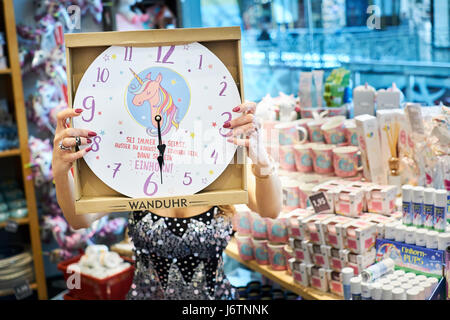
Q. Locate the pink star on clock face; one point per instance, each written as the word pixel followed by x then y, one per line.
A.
pixel 120 122
pixel 209 107
pixel 214 124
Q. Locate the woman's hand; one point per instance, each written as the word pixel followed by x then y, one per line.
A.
pixel 62 159
pixel 250 127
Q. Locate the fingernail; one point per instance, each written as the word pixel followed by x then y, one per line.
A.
pixel 236 109
pixel 227 125
pixel 78 110
pixel 92 134
pixel 88 149
pixel 89 140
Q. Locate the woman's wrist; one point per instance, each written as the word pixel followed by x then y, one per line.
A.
pixel 263 170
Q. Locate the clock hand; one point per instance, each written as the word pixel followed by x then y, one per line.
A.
pixel 161 146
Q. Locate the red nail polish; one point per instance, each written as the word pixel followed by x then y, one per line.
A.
pixel 78 110
pixel 91 134
pixel 227 125
pixel 236 109
pixel 88 149
pixel 89 140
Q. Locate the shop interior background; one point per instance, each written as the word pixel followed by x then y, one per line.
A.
pixel 401 41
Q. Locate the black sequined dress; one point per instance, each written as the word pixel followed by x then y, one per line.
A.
pixel 180 258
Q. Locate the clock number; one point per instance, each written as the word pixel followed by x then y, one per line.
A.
pixel 229 119
pixel 95 145
pixel 214 155
pixel 116 169
pixel 89 107
pixel 147 183
pixel 187 175
pixel 166 57
pixel 223 89
pixel 128 54
pixel 101 75
pixel 200 63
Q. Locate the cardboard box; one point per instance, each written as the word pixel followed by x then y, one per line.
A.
pixel 317 277
pixel 409 257
pixel 301 251
pixel 364 187
pixel 309 229
pixel 337 258
pixel 91 194
pixel 379 220
pixel 328 229
pixel 330 192
pixel 348 201
pixel 387 99
pixel 359 235
pixel 381 199
pixel 319 255
pixel 294 216
pixel 334 279
pixel 371 153
pixel 363 100
pixel 358 262
pixel 302 277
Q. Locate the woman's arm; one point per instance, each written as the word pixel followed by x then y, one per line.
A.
pixel 264 192
pixel 64 194
pixel 264 187
pixel 62 162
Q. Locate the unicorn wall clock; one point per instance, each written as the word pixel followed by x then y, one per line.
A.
pixel 158 113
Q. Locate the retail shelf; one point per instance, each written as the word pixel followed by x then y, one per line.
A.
pixel 5 71
pixel 19 221
pixel 281 277
pixel 8 292
pixel 9 153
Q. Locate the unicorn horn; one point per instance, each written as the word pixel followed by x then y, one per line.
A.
pixel 137 77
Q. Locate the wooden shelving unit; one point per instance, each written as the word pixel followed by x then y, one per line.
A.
pixel 20 221
pixel 281 277
pixel 9 153
pixel 16 98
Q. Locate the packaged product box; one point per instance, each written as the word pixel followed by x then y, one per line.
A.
pixel 409 257
pixel 94 195
pixel 371 153
pixel 381 199
pixel 317 277
pixel 364 100
pixel 337 258
pixel 334 279
pixel 328 230
pixel 359 235
pixel 309 229
pixel 380 221
pixel 319 255
pixel 301 251
pixel 348 201
pixel 358 262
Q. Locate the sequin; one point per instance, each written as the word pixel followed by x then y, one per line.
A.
pixel 186 260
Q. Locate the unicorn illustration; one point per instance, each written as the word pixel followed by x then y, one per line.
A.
pixel 161 102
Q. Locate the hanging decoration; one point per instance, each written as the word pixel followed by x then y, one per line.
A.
pixel 42 57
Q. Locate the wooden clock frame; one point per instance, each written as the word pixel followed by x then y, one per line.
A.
pixel 92 194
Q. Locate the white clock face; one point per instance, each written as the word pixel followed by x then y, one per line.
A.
pixel 136 99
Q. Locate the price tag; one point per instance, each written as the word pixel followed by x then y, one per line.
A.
pixel 319 202
pixel 23 290
pixel 11 226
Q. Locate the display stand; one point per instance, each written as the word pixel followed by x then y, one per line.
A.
pixel 14 92
pixel 281 277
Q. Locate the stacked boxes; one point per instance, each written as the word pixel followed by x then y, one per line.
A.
pixel 381 199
